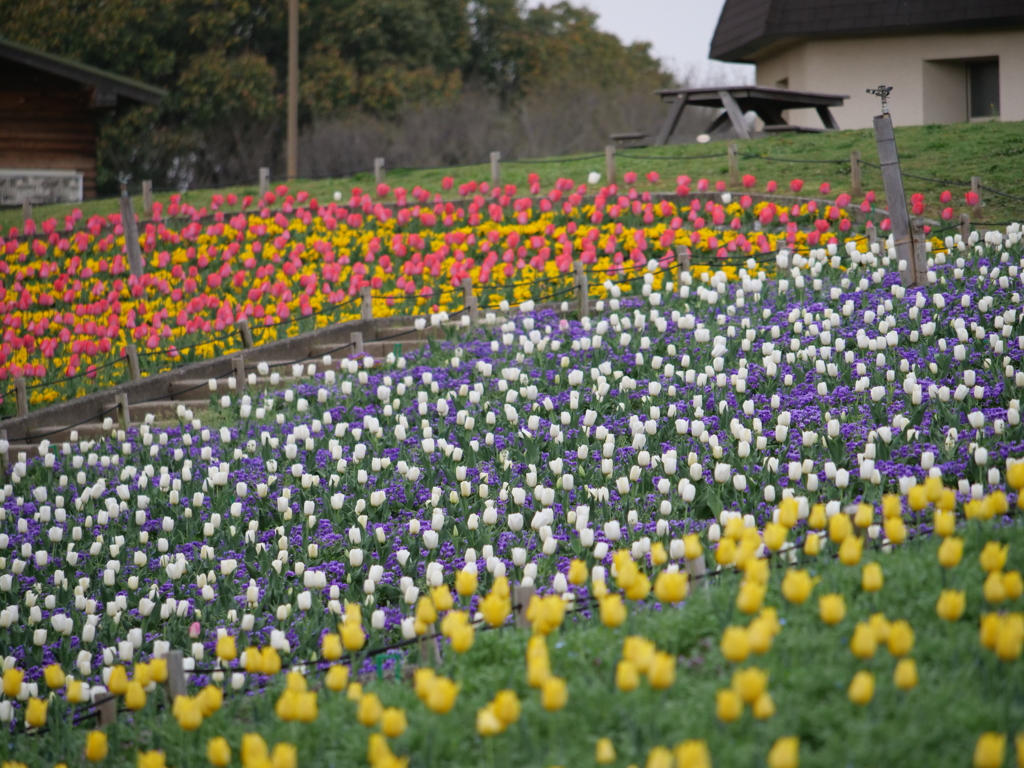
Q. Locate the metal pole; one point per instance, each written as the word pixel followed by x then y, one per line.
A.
pixel 293 90
pixel 889 160
pixel 609 163
pixel 855 184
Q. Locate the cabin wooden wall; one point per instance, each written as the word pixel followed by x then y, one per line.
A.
pixel 46 123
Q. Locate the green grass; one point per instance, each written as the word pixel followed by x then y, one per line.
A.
pixel 963 690
pixel 993 150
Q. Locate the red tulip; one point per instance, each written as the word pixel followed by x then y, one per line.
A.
pixel 629 177
pixel 654 177
pixel 796 185
pixel 946 196
pixel 748 180
pixel 971 198
pixel 947 213
pixel 824 188
pixel 720 186
pixel 772 187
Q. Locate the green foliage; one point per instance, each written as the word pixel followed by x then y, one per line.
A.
pixel 224 63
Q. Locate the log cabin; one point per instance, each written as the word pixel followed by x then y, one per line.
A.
pixel 49 107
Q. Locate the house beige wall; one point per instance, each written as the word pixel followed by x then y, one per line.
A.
pixel 927 87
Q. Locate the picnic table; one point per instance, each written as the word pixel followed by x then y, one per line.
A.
pixel 735 100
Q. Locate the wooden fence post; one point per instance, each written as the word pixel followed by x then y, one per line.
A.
pixel 965 226
pixel 697 568
pixel 495 168
pixel 243 328
pixel 26 210
pixel 609 164
pixel 239 365
pixel 889 160
pixel 582 290
pixel 132 353
pixel 521 597
pixel 147 197
pixel 366 303
pixel 469 300
pixel 734 166
pixel 855 184
pixel 682 264
pixel 175 675
pixel 264 181
pixel 872 233
pixel 123 414
pixel 378 170
pixel 106 711
pixel 920 253
pixel 976 189
pixel 5 456
pixel 21 395
pixel 356 338
pixel 131 233
pixel 429 647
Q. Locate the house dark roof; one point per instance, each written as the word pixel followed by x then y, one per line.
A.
pixel 748 26
pixel 108 87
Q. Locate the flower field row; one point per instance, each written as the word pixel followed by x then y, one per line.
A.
pixel 735 424
pixel 289 263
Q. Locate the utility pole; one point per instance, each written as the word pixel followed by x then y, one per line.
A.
pixel 292 149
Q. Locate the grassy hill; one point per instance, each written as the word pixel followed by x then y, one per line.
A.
pixel 949 153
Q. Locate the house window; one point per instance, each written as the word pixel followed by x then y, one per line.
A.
pixel 983 82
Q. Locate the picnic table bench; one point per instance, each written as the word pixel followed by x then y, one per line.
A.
pixel 735 100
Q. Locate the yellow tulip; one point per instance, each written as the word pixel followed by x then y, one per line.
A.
pixel 370 710
pixel 659 555
pixel 54 676
pixel 1010 637
pixel 895 530
pixel 452 621
pixel 465 583
pixel 864 516
pixel 270 661
pixel 35 713
pixel 287 706
pixel 812 545
pixel 662 673
pixel 627 678
pixel 253 750
pixel 749 683
pixel 330 647
pixel 659 757
pixel 693 753
pixel 993 589
pixel 671 587
pixel 990 750
pixel 154 758
pixel 12 682
pixel 760 636
pixel 76 692
pixel 284 755
pixel 951 605
pixel 993 556
pixel 604 752
pixel 871 577
pixel 353 637
pixel 95 746
pixel 189 713
pixel 775 536
pixel 118 682
pixel 785 753
pixel 901 638
pixel 728 705
pixel 947 500
pixel 306 707
pixel 818 519
pixel 507 706
pixel 442 695
pixel 951 551
pixel 639 651
pixel 831 609
pixel 850 550
pixel 735 645
pixel 892 506
pixel 442 598
pixel 613 611
pixel 638 588
pixel 904 676
pixel 764 707
pixel 226 648
pixel 1013 584
pixel 354 692
pixel 337 678
pixel 692 548
pixel 425 610
pixel 487 722
pixel 218 752
pixel 495 609
pixel 862 688
pixel 462 638
pixel 944 523
pixel 863 643
pixel 917 498
pixel 989 630
pixel 554 694
pixel 839 528
pixel 880 626
pixel 141 674
pixel 135 696
pixel 210 699
pixel 789 512
pixel 750 597
pixel 797 586
pixel 546 613
pixel 578 572
pixel 393 722
pixel 725 553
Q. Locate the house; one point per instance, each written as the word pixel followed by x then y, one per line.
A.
pixel 49 107
pixel 948 60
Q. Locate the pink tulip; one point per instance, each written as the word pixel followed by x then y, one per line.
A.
pixel 772 187
pixel 946 196
pixel 947 213
pixel 194 630
pixel 824 188
pixel 629 177
pixel 796 185
pixel 654 177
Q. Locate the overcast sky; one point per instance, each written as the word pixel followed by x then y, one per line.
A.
pixel 680 31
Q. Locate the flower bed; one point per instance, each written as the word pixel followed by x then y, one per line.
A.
pixel 601 461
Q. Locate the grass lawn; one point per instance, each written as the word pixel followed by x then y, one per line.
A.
pixel 994 151
pixel 963 690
